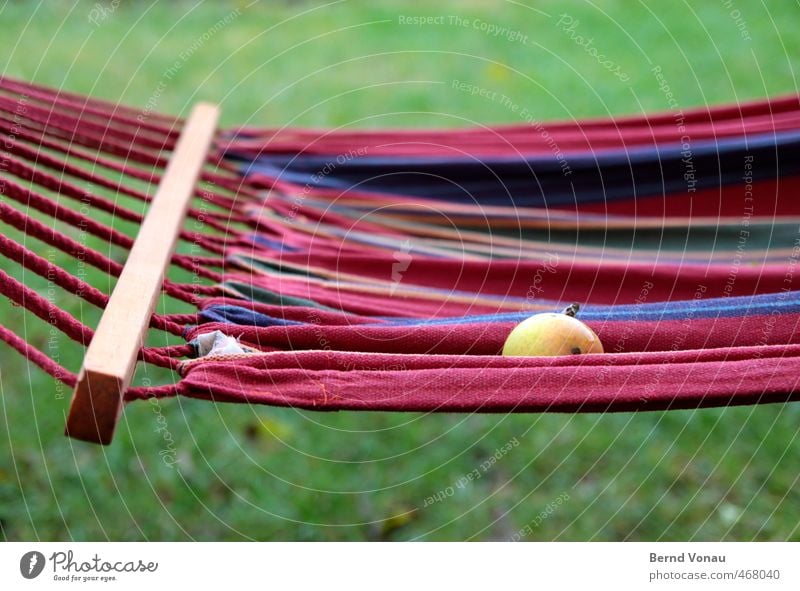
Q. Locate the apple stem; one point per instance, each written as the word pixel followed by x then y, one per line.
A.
pixel 572 310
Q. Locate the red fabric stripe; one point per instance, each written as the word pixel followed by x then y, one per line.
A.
pixel 321 380
pixel 601 283
pixel 565 136
pixel 700 114
pixel 488 338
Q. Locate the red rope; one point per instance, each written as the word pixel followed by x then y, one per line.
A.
pixel 23 171
pixel 44 133
pixel 24 296
pixel 228 205
pixel 44 268
pixel 18 168
pixel 87 224
pixel 34 355
pixel 66 98
pixel 72 125
pixel 33 227
pixel 103 144
pixel 64 214
pixel 44 309
pixel 68 378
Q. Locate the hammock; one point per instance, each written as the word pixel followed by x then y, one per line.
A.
pixel 383 270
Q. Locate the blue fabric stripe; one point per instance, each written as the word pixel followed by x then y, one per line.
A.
pixel 242 316
pixel 684 310
pixel 273 244
pixel 780 303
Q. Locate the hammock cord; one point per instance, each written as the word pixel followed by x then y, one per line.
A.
pixel 41 130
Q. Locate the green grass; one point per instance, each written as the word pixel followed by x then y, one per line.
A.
pixel 277 474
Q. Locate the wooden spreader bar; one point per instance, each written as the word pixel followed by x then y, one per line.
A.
pixel 110 359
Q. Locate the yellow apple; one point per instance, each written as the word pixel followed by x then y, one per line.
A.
pixel 551 334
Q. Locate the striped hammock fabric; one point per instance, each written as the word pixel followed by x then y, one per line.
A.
pixel 383 270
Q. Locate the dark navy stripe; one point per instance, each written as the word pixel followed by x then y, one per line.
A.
pixel 540 181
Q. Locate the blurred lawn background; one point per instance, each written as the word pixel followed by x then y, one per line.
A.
pixel 278 474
